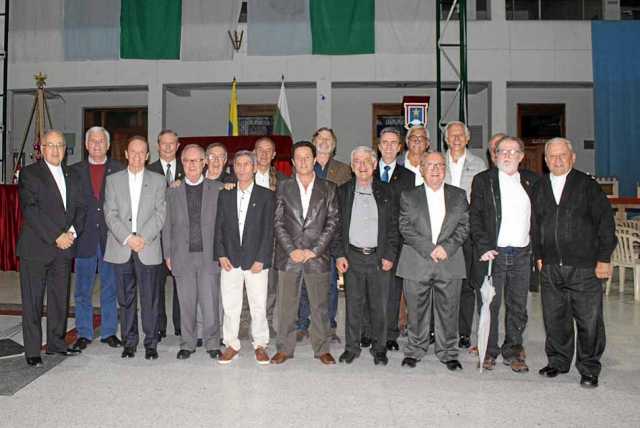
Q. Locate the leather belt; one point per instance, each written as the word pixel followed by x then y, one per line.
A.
pixel 364 251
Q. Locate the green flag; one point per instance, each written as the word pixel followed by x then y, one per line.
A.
pixel 281 121
pixel 150 29
pixel 342 27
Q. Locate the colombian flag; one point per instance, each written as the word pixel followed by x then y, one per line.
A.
pixel 233 110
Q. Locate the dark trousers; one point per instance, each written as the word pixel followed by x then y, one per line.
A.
pixel 366 293
pixel 468 293
pixel 162 311
pixel 272 293
pixel 394 295
pixel 35 276
pixel 133 277
pixel 435 298
pixel 511 271
pixel 569 295
pixel 289 286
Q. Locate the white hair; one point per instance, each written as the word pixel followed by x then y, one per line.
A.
pixel 415 128
pixel 467 132
pixel 367 150
pixel 557 140
pixel 95 129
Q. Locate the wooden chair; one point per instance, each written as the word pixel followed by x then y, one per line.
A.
pixel 610 186
pixel 625 256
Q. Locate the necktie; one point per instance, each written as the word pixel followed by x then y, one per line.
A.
pixel 167 175
pixel 385 174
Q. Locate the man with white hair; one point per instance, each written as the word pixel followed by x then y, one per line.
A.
pixel 365 249
pixel 574 241
pixel 418 142
pixel 462 166
pixel 501 227
pixel 92 174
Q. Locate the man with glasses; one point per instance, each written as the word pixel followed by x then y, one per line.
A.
pixel 434 222
pixel 216 157
pixel 418 142
pixel 172 170
pixel 462 166
pixel 54 213
pixel 187 237
pixel 501 229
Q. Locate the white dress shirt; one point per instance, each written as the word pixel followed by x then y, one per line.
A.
pixel 455 168
pixel 557 185
pixel 262 180
pixel 191 183
pixel 305 195
pixel 58 176
pixel 243 206
pixel 437 209
pixel 516 214
pixel 414 169
pixel 382 164
pixel 164 164
pixel 135 189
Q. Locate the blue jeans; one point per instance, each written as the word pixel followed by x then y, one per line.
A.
pixel 304 310
pixel 85 280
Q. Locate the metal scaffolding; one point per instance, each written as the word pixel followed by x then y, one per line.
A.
pixel 454 11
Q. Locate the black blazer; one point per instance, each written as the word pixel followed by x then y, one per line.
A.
pixel 388 234
pixel 257 235
pixel 45 217
pixel 95 228
pixel 157 167
pixel 402 179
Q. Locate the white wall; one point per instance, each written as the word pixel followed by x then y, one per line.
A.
pixel 578 116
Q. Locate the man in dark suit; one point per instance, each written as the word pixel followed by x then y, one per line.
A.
pixel 172 170
pixel 399 179
pixel 365 249
pixel 54 212
pixel 434 222
pixel 244 248
pixel 306 217
pixel 191 214
pixel 92 174
pixel 134 210
pixel 501 227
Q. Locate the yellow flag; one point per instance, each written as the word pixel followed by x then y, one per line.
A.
pixel 233 110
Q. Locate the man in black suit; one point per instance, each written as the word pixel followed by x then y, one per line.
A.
pixel 92 174
pixel 172 170
pixel 399 179
pixel 365 249
pixel 54 212
pixel 244 248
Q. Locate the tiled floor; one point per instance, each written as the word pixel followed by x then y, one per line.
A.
pixel 98 388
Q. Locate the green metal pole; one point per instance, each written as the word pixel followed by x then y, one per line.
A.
pixel 438 79
pixel 462 107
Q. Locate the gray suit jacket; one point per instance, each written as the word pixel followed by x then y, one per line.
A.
pixel 175 233
pixel 472 166
pixel 117 215
pixel 415 226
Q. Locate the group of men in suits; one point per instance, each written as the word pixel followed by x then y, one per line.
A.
pixel 427 230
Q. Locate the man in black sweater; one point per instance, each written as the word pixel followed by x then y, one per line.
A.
pixel 573 246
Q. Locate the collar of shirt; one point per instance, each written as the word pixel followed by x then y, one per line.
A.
pixel 164 164
pixel 430 191
pixel 135 175
pixel 247 190
pixel 461 159
pixel 366 190
pixel 55 169
pixel 515 178
pixel 558 178
pixel 309 187
pixel 382 164
pixel 191 183
pixel 93 162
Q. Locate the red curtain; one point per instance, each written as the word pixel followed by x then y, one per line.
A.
pixel 10 222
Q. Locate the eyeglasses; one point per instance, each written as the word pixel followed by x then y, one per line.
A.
pixel 214 157
pixel 418 139
pixel 510 152
pixel 192 161
pixel 438 165
pixel 54 146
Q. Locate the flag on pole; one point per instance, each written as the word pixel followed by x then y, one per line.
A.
pixel 281 121
pixel 233 110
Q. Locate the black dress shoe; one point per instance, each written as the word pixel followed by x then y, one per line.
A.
pixel 34 361
pixel 347 357
pixel 464 342
pixel 112 341
pixel 432 338
pixel 392 345
pixel 71 352
pixel 183 354
pixel 380 358
pixel 409 362
pixel 214 353
pixel 178 332
pixel 128 352
pixel 587 381
pixel 162 333
pixel 365 342
pixel 199 343
pixel 453 365
pixel 549 371
pixel 150 354
pixel 81 343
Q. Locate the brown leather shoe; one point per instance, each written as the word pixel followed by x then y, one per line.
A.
pixel 279 358
pixel 261 355
pixel 228 355
pixel 489 363
pixel 518 363
pixel 327 359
